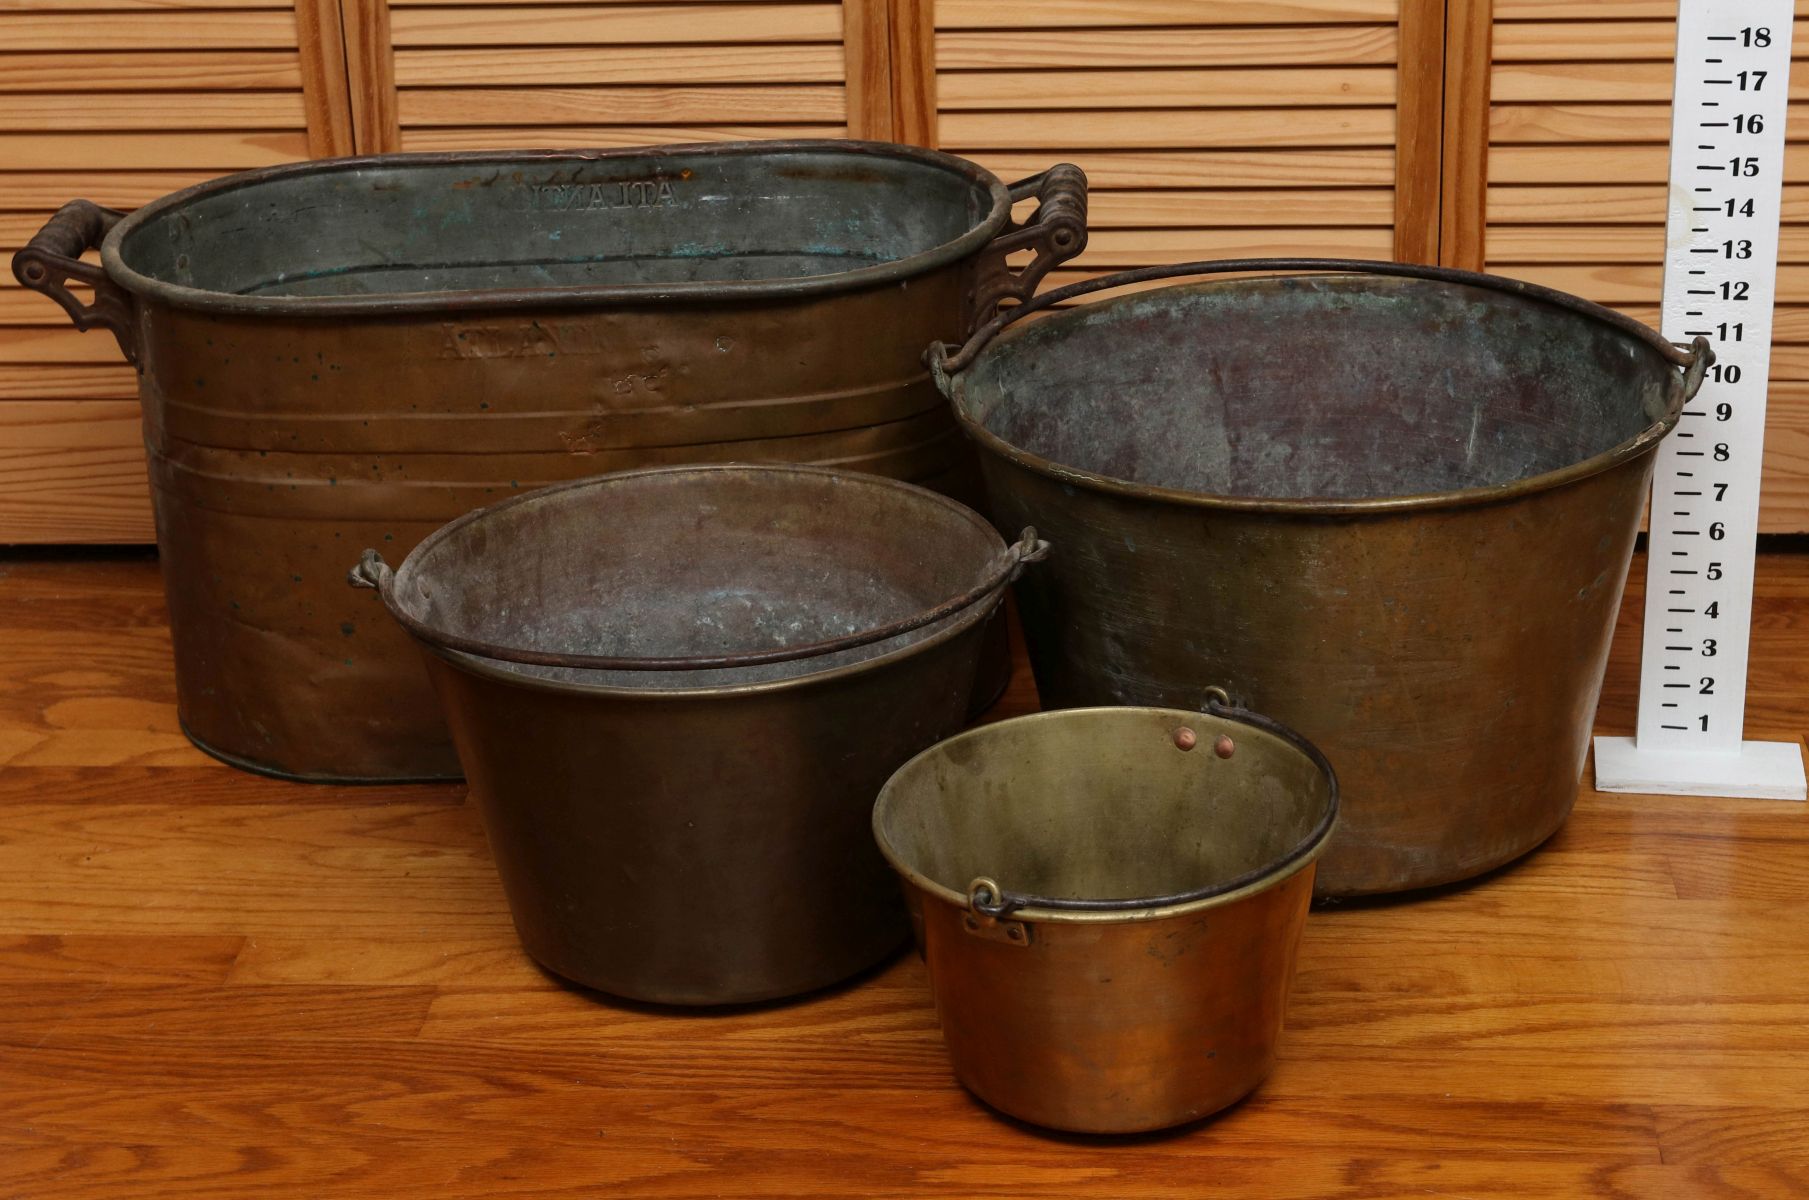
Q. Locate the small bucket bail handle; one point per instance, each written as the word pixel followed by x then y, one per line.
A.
pixel 988 900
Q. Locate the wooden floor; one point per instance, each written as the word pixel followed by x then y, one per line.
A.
pixel 215 985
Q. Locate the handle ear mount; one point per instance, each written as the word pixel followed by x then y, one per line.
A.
pixel 54 257
pixel 1057 231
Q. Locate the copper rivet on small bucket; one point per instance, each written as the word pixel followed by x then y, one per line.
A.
pixel 1185 738
pixel 1224 747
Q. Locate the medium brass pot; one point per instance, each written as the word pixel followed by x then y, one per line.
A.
pixel 1392 506
pixel 675 693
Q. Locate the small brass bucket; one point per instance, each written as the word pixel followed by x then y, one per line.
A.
pixel 1109 901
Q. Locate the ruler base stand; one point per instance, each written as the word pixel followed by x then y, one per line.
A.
pixel 1760 771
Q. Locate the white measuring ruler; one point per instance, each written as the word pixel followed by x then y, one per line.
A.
pixel 1727 172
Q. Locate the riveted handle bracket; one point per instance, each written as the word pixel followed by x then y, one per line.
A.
pixel 53 257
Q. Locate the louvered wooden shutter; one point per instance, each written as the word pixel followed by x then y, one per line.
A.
pixel 1208 128
pixel 495 73
pixel 1579 132
pixel 119 102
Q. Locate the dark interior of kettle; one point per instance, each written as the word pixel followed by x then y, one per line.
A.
pixel 1335 388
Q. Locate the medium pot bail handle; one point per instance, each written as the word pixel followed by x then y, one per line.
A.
pixel 944 366
pixel 54 256
pixel 372 572
pixel 1057 231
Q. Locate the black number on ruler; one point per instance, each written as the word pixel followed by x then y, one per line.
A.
pixel 1755 36
pixel 1739 249
pixel 1712 612
pixel 1747 167
pixel 1752 81
pixel 1733 331
pixel 1708 647
pixel 1720 491
pixel 1708 686
pixel 1714 570
pixel 1717 531
pixel 1704 719
pixel 1755 123
pixel 1734 290
pixel 1739 208
pixel 1721 452
pixel 1723 412
pixel 1725 372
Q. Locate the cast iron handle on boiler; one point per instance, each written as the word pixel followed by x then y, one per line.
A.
pixel 1694 362
pixel 54 256
pixel 373 572
pixel 1056 231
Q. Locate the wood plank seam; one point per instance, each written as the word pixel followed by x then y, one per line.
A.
pixel 867 80
pixel 1464 161
pixel 371 63
pixel 1419 136
pixel 326 81
pixel 911 38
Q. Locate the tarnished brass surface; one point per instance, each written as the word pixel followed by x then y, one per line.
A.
pixel 1394 513
pixel 350 353
pixel 701 836
pixel 1109 909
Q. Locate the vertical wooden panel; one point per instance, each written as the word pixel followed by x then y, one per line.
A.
pixel 371 61
pixel 1419 123
pixel 867 53
pixel 914 71
pixel 1464 165
pixel 325 85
